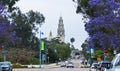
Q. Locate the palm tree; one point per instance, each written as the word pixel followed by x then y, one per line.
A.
pixel 72 40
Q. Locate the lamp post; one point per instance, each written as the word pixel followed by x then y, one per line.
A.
pixel 48 59
pixel 46 51
pixel 40 50
pixel 41 33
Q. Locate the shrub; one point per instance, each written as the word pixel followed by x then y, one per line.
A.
pixel 18 66
pixel 85 66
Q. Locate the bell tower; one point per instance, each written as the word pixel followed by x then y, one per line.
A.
pixel 61 30
pixel 50 36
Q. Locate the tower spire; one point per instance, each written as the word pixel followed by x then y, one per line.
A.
pixel 60 20
pixel 50 36
pixel 61 31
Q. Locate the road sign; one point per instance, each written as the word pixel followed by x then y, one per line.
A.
pixel 92 50
pixel 115 51
pixel 4 51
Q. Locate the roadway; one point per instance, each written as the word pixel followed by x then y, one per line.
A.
pixel 53 69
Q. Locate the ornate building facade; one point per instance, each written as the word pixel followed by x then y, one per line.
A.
pixel 60 32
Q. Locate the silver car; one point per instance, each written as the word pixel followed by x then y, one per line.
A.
pixel 70 64
pixel 63 64
pixel 115 64
pixel 5 66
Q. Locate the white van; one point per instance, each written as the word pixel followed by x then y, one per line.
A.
pixel 115 64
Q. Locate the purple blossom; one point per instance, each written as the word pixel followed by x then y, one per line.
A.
pixel 7 33
pixel 104 25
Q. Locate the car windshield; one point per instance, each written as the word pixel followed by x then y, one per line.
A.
pixel 4 63
pixel 114 60
pixel 117 63
pixel 95 64
pixel 62 62
pixel 70 63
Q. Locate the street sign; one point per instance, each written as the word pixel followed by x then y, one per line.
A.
pixel 88 51
pixel 4 51
pixel 55 49
pixel 92 50
pixel 115 52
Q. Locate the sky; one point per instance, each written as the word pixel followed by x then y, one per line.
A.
pixel 52 10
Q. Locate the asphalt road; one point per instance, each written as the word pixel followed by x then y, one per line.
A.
pixel 54 69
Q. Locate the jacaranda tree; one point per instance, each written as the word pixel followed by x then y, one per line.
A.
pixel 7 34
pixel 103 26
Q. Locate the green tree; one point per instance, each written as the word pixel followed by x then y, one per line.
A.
pixel 99 53
pixel 26 26
pixel 63 51
pixel 9 4
pixel 85 50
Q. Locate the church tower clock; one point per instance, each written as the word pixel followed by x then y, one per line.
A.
pixel 61 30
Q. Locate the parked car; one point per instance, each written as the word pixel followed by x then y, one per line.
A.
pixel 93 67
pixel 115 63
pixel 63 64
pixel 70 64
pixel 102 66
pixel 5 66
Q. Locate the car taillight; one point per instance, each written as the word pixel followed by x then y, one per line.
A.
pixel 99 68
pixel 93 67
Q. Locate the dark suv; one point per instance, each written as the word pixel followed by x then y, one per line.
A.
pixel 103 65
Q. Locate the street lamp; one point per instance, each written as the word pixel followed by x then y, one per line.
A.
pixel 41 33
pixel 48 59
pixel 46 51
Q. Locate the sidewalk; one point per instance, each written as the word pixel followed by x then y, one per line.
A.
pixel 51 66
pixel 44 66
